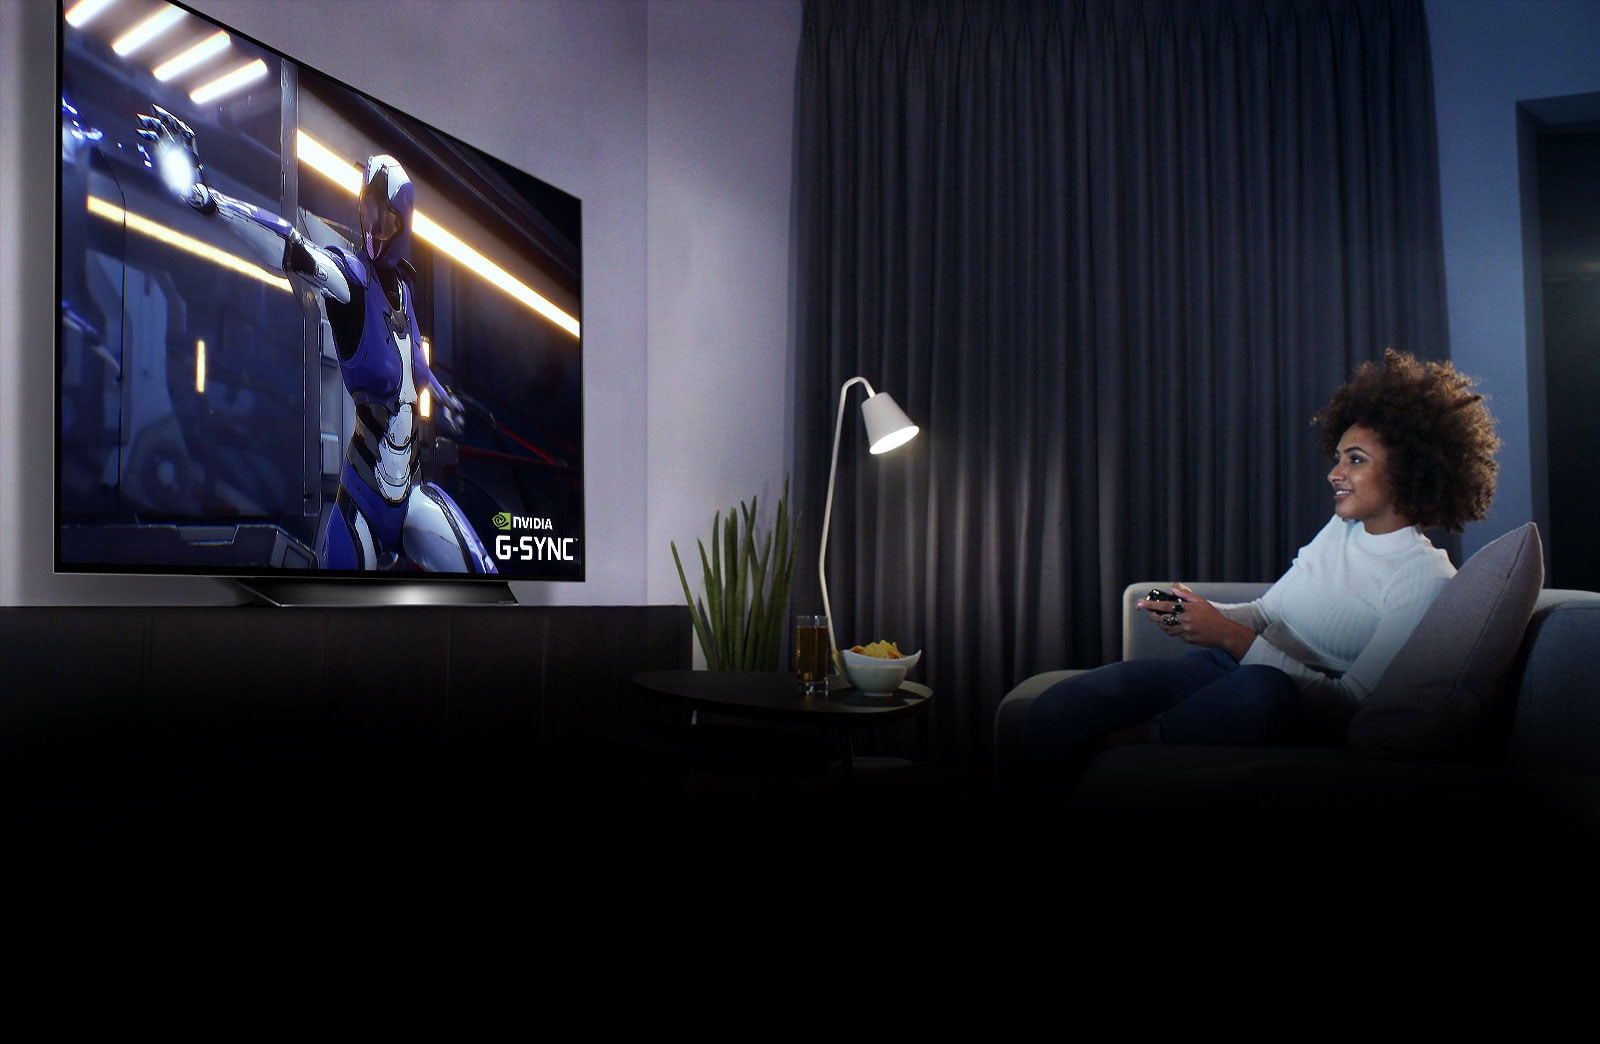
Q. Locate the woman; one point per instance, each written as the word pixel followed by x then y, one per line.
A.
pixel 1413 448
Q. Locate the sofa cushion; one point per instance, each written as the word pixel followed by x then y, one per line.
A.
pixel 1442 685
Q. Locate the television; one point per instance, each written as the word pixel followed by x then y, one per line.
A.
pixel 308 343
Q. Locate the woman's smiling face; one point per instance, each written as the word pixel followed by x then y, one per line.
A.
pixel 1362 491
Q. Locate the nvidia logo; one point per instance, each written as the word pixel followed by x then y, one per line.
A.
pixel 506 520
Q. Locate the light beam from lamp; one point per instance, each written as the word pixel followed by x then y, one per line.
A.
pixel 888 428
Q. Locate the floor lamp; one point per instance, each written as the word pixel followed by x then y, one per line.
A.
pixel 887 428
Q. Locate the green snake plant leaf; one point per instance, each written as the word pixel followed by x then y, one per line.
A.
pixel 782 571
pixel 733 605
pixel 712 570
pixel 697 608
pixel 747 580
pixel 755 640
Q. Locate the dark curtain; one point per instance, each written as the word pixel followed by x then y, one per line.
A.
pixel 1113 257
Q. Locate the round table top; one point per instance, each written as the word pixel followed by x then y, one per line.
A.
pixel 775 696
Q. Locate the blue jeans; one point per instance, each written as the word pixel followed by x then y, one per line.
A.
pixel 1202 697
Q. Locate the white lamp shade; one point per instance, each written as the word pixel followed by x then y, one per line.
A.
pixel 887 424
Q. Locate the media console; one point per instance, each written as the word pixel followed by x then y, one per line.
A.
pixel 139 725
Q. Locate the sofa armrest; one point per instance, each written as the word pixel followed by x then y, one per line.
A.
pixel 1009 719
pixel 1143 641
pixel 1556 719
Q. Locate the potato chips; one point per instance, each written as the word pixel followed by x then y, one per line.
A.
pixel 883 650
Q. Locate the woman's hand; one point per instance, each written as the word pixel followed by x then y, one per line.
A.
pixel 1198 622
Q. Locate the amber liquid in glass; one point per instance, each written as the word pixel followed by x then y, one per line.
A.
pixel 811 656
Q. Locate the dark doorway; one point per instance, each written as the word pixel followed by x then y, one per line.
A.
pixel 1563 137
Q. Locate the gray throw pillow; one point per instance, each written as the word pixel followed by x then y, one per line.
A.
pixel 1442 685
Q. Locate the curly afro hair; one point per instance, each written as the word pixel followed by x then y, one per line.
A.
pixel 1438 432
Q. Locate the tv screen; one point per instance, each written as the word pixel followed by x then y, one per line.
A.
pixel 302 333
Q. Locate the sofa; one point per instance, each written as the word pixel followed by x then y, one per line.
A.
pixel 1486 726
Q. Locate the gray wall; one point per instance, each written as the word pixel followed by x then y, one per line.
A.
pixel 1488 55
pixel 721 119
pixel 670 119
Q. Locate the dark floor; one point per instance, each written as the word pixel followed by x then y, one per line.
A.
pixel 912 815
pixel 891 809
pixel 736 764
pixel 873 780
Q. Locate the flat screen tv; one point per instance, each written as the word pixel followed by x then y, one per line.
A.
pixel 304 337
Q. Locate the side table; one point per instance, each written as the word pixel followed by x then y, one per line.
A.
pixel 773 696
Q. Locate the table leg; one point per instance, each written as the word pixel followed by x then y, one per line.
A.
pixel 847 762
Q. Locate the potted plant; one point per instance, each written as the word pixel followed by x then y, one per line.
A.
pixel 746 591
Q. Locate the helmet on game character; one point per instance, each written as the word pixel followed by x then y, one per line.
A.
pixel 387 207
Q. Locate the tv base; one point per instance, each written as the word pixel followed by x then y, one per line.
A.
pixel 311 591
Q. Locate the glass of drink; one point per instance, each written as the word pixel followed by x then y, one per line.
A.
pixel 811 653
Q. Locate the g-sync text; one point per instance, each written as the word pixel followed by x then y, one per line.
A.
pixel 529 548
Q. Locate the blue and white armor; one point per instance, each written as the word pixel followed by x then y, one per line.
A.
pixel 384 512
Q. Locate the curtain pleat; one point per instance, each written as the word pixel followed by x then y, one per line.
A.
pixel 1113 257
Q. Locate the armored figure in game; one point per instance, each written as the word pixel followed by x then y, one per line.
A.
pixel 383 510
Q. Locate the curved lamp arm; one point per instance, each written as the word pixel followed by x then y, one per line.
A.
pixel 887 428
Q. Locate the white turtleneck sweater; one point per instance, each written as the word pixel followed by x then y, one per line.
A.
pixel 1343 610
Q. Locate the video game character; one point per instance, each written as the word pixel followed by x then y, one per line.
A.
pixel 384 513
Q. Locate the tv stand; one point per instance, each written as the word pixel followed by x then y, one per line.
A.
pixel 144 731
pixel 328 591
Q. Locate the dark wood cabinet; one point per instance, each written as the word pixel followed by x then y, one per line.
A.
pixel 128 723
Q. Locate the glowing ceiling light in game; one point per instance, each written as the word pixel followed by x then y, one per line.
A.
pixel 84 11
pixel 348 177
pixel 182 62
pixel 461 252
pixel 200 367
pixel 228 83
pixel 329 164
pixel 425 398
pixel 155 230
pixel 147 30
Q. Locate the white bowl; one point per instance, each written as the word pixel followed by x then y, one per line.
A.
pixel 874 676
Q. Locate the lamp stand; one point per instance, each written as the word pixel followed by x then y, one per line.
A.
pixel 827 515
